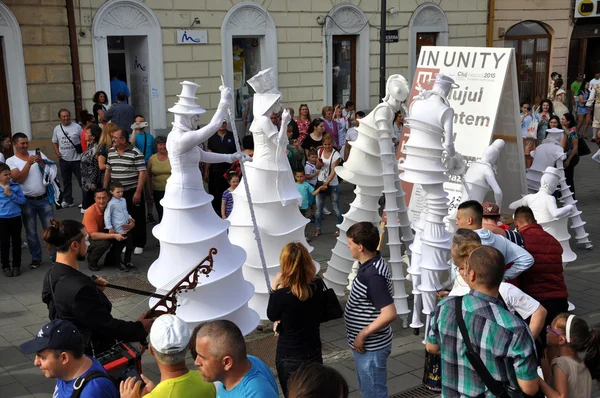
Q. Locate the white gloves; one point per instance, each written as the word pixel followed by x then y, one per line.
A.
pixel 242 157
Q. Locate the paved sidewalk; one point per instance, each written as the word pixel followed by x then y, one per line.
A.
pixel 22 313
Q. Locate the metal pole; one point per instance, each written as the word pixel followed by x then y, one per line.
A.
pixel 382 51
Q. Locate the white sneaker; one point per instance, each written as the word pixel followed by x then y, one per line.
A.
pixel 23 245
pixel 138 250
pixel 65 205
pixel 326 211
pixel 82 211
pixel 123 251
pixel 79 206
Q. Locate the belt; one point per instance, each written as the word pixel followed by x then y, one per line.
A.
pixel 41 197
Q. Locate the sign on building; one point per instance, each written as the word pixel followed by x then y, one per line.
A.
pixel 192 37
pixel 586 8
pixel 391 36
pixel 486 106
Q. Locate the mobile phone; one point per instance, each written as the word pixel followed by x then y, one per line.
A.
pixel 37 151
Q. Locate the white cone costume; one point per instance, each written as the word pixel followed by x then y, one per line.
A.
pixel 190 227
pixel 273 190
pixel 480 179
pixel 546 212
pixel 431 133
pixel 373 168
pixel 551 154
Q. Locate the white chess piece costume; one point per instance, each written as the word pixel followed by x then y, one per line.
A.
pixel 190 227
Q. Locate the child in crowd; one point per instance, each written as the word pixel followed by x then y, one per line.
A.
pixel 570 335
pixel 116 217
pixel 11 196
pixel 310 168
pixel 295 152
pixel 227 199
pixel 308 193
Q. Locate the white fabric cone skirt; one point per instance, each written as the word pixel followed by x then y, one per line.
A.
pixel 188 230
pixel 558 229
pixel 577 224
pixel 263 184
pixel 533 180
pixel 362 169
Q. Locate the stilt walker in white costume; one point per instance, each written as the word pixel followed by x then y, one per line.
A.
pixel 190 227
pixel 431 134
pixel 273 191
pixel 480 179
pixel 373 168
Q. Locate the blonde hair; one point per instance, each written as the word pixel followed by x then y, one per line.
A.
pixel 297 270
pixel 327 138
pixel 326 109
pixel 461 252
pixel 106 136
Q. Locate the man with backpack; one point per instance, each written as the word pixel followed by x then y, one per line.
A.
pixel 58 349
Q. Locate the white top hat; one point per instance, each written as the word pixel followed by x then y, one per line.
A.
pixel 169 334
pixel 554 131
pixel 187 100
pixel 445 81
pixel 264 84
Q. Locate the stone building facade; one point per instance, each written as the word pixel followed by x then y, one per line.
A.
pixel 324 51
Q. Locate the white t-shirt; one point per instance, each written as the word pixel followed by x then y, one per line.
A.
pixel 2 158
pixel 34 184
pixel 516 300
pixel 309 169
pixel 66 149
pixel 325 168
pixel 592 96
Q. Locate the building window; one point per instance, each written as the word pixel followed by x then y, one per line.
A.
pixel 428 26
pixel 344 69
pixel 425 39
pixel 246 63
pixel 531 42
pixel 4 107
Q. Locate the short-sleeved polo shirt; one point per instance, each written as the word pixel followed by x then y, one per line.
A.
pixel 93 220
pixel 126 167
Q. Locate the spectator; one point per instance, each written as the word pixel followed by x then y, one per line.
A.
pixel 509 356
pixel 91 178
pixel 343 125
pixel 369 311
pixel 529 144
pixel 100 240
pixel 491 221
pixel 99 110
pixel 66 141
pixel 126 165
pixel 349 110
pixel 352 135
pixel 329 159
pixel 295 128
pixel 330 125
pixel 159 170
pixel 572 376
pixel 584 114
pixel 221 142
pixel 169 344
pixel 227 199
pixel 303 121
pixel 545 280
pixel 87 121
pixel 295 306
pixel 4 147
pixel 117 220
pixel 572 160
pixel 398 126
pixel 470 215
pixel 117 86
pixel 121 113
pixel 58 349
pixel 104 144
pixel 145 143
pixel 28 169
pixel 306 191
pixel 576 86
pixel 313 380
pixel 11 199
pixel 314 138
pixel 248 149
pixel 219 352
pixel 73 296
pixel 542 115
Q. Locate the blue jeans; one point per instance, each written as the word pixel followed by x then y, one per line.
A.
pixel 42 209
pixel 67 169
pixel 334 192
pixel 371 370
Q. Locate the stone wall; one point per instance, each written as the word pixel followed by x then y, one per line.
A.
pixel 45 34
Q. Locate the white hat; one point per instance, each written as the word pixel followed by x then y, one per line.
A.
pixel 169 334
pixel 187 100
pixel 266 94
pixel 554 131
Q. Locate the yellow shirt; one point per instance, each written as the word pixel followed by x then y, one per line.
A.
pixel 190 385
pixel 160 172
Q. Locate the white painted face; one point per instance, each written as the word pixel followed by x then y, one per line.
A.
pixel 194 120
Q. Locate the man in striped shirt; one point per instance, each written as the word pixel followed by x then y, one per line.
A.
pixel 125 164
pixel 370 311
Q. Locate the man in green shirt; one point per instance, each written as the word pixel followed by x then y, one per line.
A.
pixel 575 87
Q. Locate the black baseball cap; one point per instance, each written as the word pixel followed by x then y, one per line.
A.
pixel 56 335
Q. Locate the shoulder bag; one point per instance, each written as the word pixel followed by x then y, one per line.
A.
pixel 331 306
pixel 78 147
pixel 582 147
pixel 319 182
pixel 493 385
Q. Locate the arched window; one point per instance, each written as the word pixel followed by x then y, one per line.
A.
pixel 531 41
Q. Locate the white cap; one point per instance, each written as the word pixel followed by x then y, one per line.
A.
pixel 169 334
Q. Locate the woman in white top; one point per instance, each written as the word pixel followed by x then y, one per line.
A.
pixel 558 98
pixel 327 182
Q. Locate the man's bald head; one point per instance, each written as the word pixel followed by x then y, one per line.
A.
pixel 225 338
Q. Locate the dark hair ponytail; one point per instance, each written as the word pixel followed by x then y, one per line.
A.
pixel 61 234
pixel 592 354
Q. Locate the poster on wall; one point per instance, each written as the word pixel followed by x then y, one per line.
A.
pixel 485 108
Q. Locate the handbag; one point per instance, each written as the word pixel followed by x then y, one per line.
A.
pixel 331 306
pixel 493 385
pixel 78 147
pixel 319 182
pixel 532 129
pixel 582 148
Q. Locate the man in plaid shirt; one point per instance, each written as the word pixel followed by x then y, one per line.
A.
pixel 502 340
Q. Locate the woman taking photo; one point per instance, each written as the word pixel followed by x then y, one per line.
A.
pixel 159 169
pixel 568 121
pixel 544 112
pixel 296 303
pixel 303 121
pixel 327 183
pixel 314 139
pixel 90 172
pixel 99 110
pixel 584 114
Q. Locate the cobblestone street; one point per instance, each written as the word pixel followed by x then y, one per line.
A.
pixel 22 313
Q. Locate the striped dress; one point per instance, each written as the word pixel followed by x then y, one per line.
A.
pixel 371 291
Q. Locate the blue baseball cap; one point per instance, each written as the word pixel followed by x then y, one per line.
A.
pixel 56 335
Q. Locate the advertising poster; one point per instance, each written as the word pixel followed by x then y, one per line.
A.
pixel 485 108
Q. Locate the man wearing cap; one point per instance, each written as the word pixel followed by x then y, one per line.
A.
pixel 58 350
pixel 169 343
pixel 491 222
pixel 221 142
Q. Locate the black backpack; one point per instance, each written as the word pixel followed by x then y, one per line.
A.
pixel 81 382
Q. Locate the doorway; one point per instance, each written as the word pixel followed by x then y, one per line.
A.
pixel 5 128
pixel 246 56
pixel 344 69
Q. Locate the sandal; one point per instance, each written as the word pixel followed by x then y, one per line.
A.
pixel 336 233
pixel 316 233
